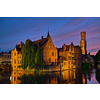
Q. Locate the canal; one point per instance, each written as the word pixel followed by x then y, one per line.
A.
pixel 74 76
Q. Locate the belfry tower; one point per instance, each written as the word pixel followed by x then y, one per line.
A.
pixel 83 43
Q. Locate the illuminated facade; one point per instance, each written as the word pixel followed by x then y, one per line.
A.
pixel 50 55
pixel 16 56
pixel 70 56
pixel 83 43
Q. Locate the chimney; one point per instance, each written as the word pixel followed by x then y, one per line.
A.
pixel 42 38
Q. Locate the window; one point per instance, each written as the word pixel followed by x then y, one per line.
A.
pixel 18 61
pixel 65 63
pixel 55 54
pixel 69 53
pixel 14 66
pixel 49 60
pixel 55 59
pixel 14 61
pixel 68 62
pixel 52 53
pixel 49 46
pixel 69 58
pixel 15 53
pixel 68 66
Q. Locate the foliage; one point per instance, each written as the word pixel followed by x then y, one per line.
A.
pixel 28 55
pixel 39 58
pixel 32 56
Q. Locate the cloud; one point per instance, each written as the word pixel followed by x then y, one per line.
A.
pixel 93 50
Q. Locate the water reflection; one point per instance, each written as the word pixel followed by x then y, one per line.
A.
pixel 5 77
pixel 73 76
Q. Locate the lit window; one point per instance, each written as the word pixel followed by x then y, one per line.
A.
pixel 52 53
pixel 68 62
pixel 49 60
pixel 15 61
pixel 49 46
pixel 15 53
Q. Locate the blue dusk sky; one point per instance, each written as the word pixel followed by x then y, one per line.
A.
pixel 62 30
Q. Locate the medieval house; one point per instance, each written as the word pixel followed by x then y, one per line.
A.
pixel 50 55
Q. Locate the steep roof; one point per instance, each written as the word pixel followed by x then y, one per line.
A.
pixel 42 42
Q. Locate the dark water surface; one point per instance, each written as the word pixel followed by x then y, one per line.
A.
pixel 74 76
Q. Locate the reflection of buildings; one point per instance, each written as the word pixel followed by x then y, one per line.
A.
pixel 17 75
pixel 5 58
pixel 65 77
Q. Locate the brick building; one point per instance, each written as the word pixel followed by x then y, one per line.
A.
pixel 70 56
pixel 50 55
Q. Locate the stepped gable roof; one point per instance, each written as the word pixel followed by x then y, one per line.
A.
pixel 67 47
pixel 41 42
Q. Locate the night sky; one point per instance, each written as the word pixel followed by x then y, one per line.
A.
pixel 62 30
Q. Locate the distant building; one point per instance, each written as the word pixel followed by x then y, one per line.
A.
pixel 5 58
pixel 50 55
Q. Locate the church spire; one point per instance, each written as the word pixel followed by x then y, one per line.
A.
pixel 48 32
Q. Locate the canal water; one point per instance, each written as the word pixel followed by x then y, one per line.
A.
pixel 74 76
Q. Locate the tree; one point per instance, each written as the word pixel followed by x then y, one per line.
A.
pixel 28 54
pixel 39 58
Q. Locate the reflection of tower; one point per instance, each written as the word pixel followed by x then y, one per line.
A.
pixel 83 43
